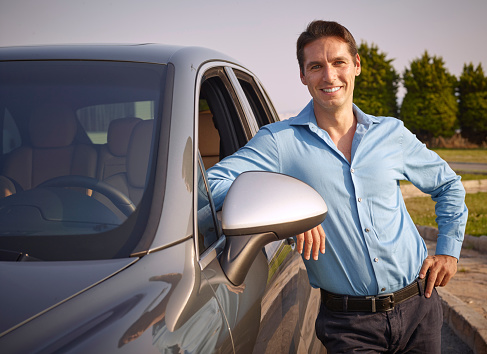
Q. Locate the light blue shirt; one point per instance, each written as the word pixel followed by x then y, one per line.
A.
pixel 372 245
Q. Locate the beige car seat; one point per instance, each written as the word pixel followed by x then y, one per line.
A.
pixel 209 139
pixel 113 155
pixel 53 151
pixel 132 181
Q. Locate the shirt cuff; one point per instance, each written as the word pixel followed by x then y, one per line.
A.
pixel 449 246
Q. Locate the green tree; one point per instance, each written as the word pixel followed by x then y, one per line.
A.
pixel 376 86
pixel 430 107
pixel 472 113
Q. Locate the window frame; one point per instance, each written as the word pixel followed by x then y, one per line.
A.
pixel 207 72
pixel 264 112
pixel 229 74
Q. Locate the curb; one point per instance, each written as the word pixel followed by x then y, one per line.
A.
pixel 467 324
pixel 478 243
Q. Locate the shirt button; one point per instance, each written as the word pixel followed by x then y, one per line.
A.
pixel 359 200
pixel 367 229
pixel 383 289
pixel 352 170
pixel 376 259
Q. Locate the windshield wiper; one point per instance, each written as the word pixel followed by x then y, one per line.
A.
pixel 15 256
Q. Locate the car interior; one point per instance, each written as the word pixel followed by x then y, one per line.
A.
pixel 75 149
pixel 76 141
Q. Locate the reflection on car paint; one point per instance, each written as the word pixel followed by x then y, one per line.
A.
pixel 155 313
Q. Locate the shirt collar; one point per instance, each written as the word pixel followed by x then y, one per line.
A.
pixel 307 116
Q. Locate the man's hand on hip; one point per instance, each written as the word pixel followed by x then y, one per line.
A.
pixel 313 242
pixel 441 269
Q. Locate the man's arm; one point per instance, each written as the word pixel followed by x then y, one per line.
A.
pixel 260 154
pixel 427 171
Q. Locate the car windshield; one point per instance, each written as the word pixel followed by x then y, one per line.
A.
pixel 76 150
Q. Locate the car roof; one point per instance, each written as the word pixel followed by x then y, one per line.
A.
pixel 144 52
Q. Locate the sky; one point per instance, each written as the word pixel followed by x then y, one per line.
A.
pixel 258 33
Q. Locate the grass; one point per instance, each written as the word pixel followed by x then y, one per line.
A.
pixel 422 211
pixel 463 155
pixel 470 177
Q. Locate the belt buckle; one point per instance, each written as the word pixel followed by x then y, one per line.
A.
pixel 380 297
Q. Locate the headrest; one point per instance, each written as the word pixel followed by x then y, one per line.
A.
pixel 52 125
pixel 118 135
pixel 139 152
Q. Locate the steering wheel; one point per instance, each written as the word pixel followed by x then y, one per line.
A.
pixel 120 200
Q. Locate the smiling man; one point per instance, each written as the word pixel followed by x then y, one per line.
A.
pixel 376 278
pixel 329 71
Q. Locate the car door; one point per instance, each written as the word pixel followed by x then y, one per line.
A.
pixel 276 310
pixel 221 131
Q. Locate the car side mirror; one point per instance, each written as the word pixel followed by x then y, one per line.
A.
pixel 261 207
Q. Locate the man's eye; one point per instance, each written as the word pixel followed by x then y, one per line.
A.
pixel 315 67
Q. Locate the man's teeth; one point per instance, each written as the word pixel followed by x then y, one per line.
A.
pixel 335 89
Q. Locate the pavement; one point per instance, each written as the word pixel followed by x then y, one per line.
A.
pixel 464 298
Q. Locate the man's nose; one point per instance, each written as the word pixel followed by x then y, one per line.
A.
pixel 329 74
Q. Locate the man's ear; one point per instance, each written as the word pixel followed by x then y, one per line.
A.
pixel 303 78
pixel 358 66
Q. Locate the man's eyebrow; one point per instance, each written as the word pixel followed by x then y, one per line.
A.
pixel 319 62
pixel 341 58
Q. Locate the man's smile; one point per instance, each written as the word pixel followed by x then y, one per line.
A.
pixel 331 90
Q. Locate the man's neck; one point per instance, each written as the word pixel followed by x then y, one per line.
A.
pixel 340 126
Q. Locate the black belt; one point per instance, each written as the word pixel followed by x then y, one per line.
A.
pixel 376 303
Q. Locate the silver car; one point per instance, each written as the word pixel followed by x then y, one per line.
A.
pixel 109 239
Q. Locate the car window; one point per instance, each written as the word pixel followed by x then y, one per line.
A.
pixel 256 98
pixel 97 118
pixel 208 229
pixel 10 133
pixel 222 129
pixel 78 140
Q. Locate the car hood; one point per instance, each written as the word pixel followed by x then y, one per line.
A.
pixel 30 288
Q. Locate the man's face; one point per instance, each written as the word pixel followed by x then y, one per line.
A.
pixel 329 73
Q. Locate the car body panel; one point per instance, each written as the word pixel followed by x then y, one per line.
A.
pixel 50 282
pixel 126 316
pixel 142 53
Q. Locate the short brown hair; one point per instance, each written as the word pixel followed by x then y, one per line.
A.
pixel 318 29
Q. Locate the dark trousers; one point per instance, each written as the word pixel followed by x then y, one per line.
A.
pixel 413 326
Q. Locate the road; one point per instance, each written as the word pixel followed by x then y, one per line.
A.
pixel 468 167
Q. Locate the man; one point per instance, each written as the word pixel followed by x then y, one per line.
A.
pixel 376 280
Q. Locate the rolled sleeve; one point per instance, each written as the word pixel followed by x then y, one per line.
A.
pixel 432 175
